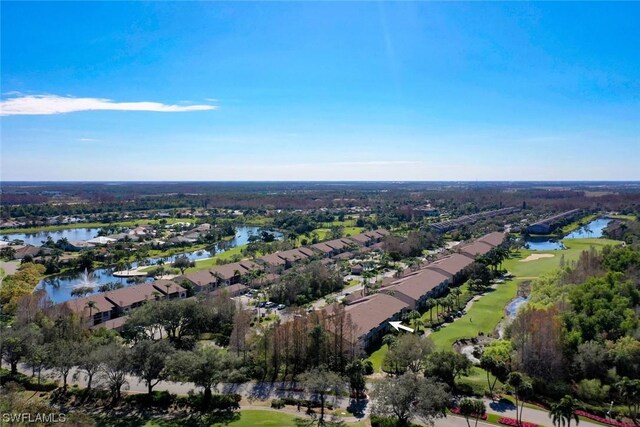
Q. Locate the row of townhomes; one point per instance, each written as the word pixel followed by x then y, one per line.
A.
pixel 444 226
pixel 371 313
pixel 547 225
pixel 235 278
pixel 110 309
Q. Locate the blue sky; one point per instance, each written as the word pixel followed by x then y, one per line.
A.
pixel 320 91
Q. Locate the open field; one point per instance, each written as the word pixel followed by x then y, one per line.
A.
pixel 132 223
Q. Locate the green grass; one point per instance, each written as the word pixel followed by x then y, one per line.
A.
pixel 624 217
pixel 579 223
pixel 377 357
pixel 132 223
pixel 483 316
pixel 477 379
pixel 323 234
pixel 245 418
pixel 212 262
pixel 259 418
pixel 345 223
pixel 350 231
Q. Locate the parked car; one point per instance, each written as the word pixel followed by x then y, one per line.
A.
pixel 269 304
pixel 262 304
pixel 281 307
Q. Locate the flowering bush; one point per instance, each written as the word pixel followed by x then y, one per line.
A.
pixel 456 410
pixel 603 420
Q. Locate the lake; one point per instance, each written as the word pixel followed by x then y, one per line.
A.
pixel 36 239
pixel 59 287
pixel 594 229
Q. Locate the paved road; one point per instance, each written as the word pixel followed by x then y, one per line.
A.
pixel 255 391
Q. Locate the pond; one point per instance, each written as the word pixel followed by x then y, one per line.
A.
pixel 594 229
pixel 59 287
pixel 36 239
pixel 541 243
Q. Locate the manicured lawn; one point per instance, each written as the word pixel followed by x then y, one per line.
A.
pixel 212 262
pixel 483 316
pixel 258 418
pixel 477 380
pixel 350 231
pixel 323 234
pixel 245 418
pixel 345 223
pixel 377 357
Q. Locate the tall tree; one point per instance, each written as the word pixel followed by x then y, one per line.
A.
pixel 446 365
pixel 496 361
pixel 321 383
pixel 409 352
pixel 149 360
pixel 356 372
pixel 472 408
pixel 521 386
pixel 62 357
pixel 115 368
pixel 408 396
pixel 206 367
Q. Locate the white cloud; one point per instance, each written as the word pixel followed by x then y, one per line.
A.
pixel 54 104
pixel 87 140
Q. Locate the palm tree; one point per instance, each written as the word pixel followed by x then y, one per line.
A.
pixel 366 275
pixel 413 316
pixel 429 306
pixel 418 323
pixel 564 411
pixel 457 292
pixel 390 340
pixel 91 305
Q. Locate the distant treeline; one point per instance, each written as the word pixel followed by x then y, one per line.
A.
pixel 50 199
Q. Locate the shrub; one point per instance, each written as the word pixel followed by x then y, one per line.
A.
pixel 592 390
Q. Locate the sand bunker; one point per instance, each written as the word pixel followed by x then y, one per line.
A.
pixel 534 257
